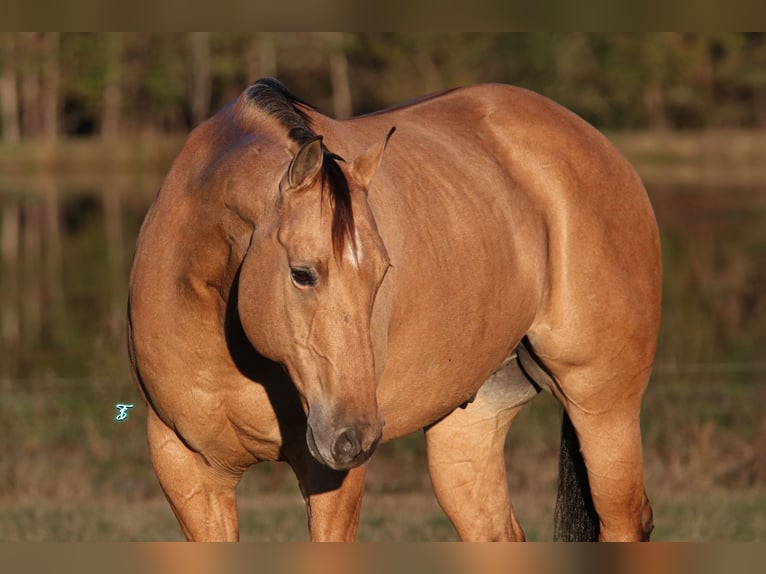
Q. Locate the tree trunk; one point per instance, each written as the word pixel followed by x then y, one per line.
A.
pixel 30 84
pixel 9 96
pixel 339 77
pixel 112 97
pixel 53 293
pixel 50 80
pixel 199 50
pixel 30 272
pixel 267 56
pixel 115 245
pixel 260 57
pixel 654 54
pixel 654 104
pixel 10 241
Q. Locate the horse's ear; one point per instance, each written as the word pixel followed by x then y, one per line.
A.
pixel 366 163
pixel 305 166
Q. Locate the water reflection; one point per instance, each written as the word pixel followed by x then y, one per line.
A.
pixel 66 249
pixel 714 288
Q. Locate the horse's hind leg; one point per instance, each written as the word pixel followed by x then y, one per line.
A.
pixel 607 426
pixel 201 496
pixel 466 460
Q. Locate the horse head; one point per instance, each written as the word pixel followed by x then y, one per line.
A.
pixel 306 293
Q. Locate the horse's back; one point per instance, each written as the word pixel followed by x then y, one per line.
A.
pixel 495 142
pixel 509 148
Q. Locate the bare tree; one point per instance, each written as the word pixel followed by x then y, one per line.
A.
pixel 9 95
pixel 199 50
pixel 49 81
pixel 112 96
pixel 267 55
pixel 52 295
pixel 260 56
pixel 339 76
pixel 10 240
pixel 115 245
pixel 31 303
pixel 29 66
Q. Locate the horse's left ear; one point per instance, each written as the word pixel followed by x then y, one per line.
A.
pixel 364 166
pixel 305 166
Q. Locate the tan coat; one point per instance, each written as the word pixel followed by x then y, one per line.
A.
pixel 496 238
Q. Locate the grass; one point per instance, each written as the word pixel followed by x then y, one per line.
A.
pixel 710 515
pixel 713 156
pixel 72 474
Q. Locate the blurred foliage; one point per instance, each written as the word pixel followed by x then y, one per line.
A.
pixel 617 80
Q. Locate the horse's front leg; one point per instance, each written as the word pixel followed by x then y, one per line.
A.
pixel 333 499
pixel 201 496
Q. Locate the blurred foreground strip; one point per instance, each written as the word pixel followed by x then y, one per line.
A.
pixel 410 558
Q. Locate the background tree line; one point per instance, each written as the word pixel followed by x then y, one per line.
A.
pixel 124 84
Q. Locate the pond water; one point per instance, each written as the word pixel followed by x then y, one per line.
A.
pixel 714 289
pixel 66 248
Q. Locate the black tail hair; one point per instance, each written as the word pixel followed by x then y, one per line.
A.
pixel 575 518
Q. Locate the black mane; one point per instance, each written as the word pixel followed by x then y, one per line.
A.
pixel 272 97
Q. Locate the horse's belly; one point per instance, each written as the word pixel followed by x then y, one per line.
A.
pixel 441 363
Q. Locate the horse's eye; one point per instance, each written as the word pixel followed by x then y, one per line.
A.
pixel 303 276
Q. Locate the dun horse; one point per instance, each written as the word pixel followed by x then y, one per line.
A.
pixel 287 304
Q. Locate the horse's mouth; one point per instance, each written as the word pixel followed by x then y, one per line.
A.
pixel 346 450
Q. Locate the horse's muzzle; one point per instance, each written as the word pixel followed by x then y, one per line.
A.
pixel 347 448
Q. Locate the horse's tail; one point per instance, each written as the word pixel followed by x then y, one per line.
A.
pixel 575 517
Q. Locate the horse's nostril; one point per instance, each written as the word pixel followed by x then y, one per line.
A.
pixel 346 446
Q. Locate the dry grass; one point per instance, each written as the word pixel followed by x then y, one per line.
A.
pixel 704 467
pixel 713 157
